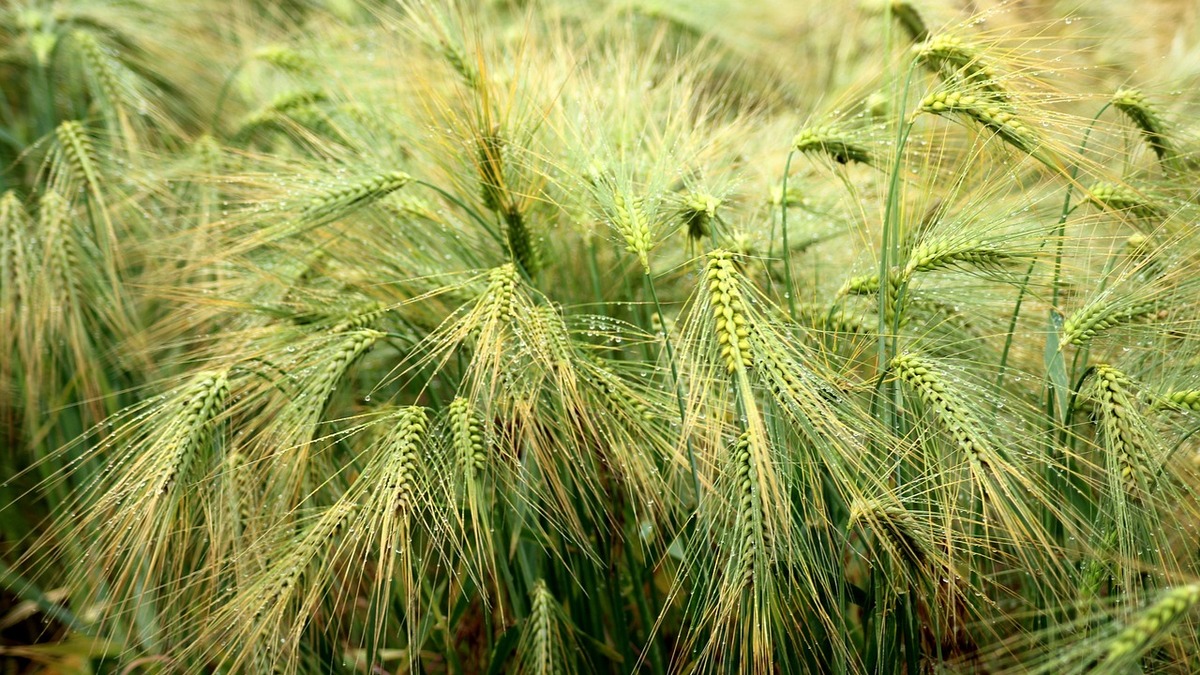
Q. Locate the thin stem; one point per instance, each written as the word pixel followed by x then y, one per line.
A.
pixel 790 289
pixel 676 383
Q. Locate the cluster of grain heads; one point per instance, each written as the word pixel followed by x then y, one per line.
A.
pixel 1134 104
pixel 1148 629
pixel 842 146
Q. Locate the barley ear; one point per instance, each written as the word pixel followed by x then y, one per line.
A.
pixel 1145 116
pixel 340 202
pixel 910 19
pixel 1116 197
pixel 543 647
pixel 1150 627
pixel 729 319
pixel 833 141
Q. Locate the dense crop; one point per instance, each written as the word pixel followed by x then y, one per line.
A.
pixel 559 336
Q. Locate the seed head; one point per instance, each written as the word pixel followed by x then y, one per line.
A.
pixel 733 333
pixel 833 141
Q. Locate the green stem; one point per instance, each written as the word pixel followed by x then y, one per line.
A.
pixel 677 385
pixel 790 290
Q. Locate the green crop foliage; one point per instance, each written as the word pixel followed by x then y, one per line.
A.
pixel 628 336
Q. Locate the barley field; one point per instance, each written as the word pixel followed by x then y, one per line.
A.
pixel 599 336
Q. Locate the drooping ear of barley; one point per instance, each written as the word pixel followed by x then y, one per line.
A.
pixel 203 402
pixel 1184 399
pixel 62 256
pixel 275 606
pixel 954 58
pixel 287 436
pixel 910 19
pixel 895 526
pixel 287 104
pixel 833 141
pixel 112 86
pixel 1131 455
pixel 398 502
pixel 1150 627
pixel 340 202
pixel 145 516
pixel 1124 439
pixel 1122 198
pixel 697 213
pixel 1106 312
pixel 930 385
pixel 990 114
pixel 1143 114
pixel 922 573
pixel 285 58
pixel 941 253
pixel 456 57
